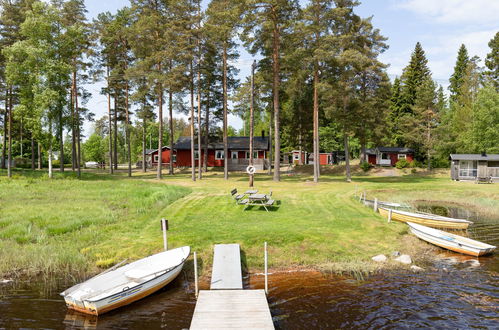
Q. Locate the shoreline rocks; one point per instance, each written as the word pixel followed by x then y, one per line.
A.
pixel 405 259
pixel 380 258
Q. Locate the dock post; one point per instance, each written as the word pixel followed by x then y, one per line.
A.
pixel 390 215
pixel 266 270
pixel 375 205
pixel 164 228
pixel 196 289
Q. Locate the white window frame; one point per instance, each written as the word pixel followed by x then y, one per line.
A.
pixel 196 155
pixel 296 156
pixel 174 158
pixel 385 154
pixel 156 157
pixel 232 153
pixel 219 154
pixel 402 156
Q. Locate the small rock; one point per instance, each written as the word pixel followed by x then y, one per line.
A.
pixel 379 258
pixel 5 281
pixel 472 263
pixel 405 259
pixel 416 268
pixel 395 254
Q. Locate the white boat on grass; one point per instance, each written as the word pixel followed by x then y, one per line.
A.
pixel 126 284
pixel 450 241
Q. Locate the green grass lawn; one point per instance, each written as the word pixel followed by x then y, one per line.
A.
pixel 72 227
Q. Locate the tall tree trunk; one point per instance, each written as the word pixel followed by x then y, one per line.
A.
pixel 345 139
pixel 193 160
pixel 206 132
pixel 115 136
pixel 270 141
pixel 50 149
pixel 78 133
pixel 160 132
pixel 200 168
pixel 275 89
pixel 110 126
pixel 127 131
pixel 362 149
pixel 61 138
pixel 347 156
pixel 144 165
pixel 428 139
pixel 5 125
pixel 73 133
pixel 170 113
pixel 316 124
pixel 39 155
pixel 225 138
pixel 32 152
pixel 9 158
pixel 252 122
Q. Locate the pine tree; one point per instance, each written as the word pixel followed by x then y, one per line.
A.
pixel 492 61
pixel 456 79
pixel 266 24
pixel 223 17
pixel 413 76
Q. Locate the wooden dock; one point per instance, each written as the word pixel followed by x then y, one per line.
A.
pixel 227 305
pixel 226 273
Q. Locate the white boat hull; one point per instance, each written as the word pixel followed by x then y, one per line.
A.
pixel 137 286
pixel 450 241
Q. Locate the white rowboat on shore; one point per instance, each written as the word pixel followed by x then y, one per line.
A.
pixel 126 284
pixel 450 241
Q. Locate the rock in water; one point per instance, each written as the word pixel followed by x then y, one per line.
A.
pixel 379 258
pixel 405 259
pixel 416 268
pixel 472 263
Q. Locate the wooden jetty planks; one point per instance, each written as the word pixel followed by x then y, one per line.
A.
pixel 232 309
pixel 226 273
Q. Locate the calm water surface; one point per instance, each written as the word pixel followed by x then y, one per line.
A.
pixel 455 292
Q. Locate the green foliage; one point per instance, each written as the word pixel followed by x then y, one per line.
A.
pixel 456 80
pixel 402 163
pixel 94 148
pixel 492 61
pixel 365 166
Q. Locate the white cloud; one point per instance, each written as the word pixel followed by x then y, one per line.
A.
pixel 455 11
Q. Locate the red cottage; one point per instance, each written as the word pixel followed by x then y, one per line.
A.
pixel 388 156
pixel 238 148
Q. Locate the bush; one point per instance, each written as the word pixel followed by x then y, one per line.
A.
pixel 416 163
pixel 402 163
pixel 365 166
pixel 413 170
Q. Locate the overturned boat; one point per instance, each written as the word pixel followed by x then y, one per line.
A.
pixel 426 219
pixel 450 241
pixel 124 285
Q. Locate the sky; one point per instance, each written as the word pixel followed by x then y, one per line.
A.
pixel 441 26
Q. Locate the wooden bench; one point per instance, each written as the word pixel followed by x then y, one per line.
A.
pixel 235 195
pixel 483 179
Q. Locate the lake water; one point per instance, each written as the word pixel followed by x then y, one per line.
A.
pixel 454 292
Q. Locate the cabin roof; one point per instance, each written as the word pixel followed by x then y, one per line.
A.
pixel 234 143
pixel 151 151
pixel 400 150
pixel 474 157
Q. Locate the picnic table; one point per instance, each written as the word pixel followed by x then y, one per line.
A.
pixel 259 200
pixel 251 191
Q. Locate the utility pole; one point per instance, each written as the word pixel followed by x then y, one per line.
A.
pixel 252 103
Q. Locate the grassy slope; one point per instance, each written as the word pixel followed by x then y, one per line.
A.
pixel 68 225
pixel 100 221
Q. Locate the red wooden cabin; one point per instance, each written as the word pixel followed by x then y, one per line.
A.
pixel 388 156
